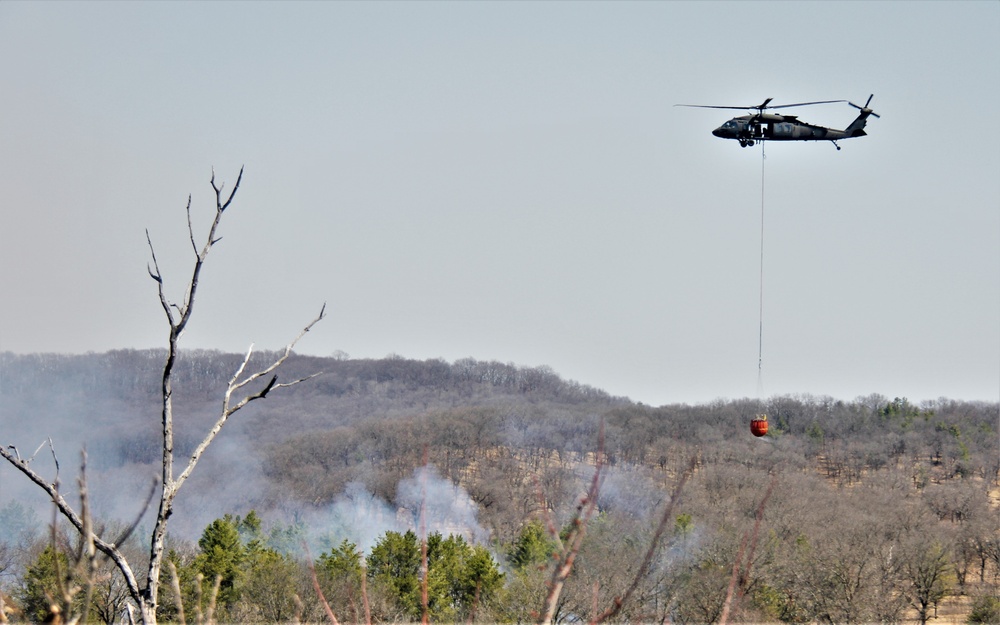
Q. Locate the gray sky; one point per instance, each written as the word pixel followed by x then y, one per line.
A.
pixel 511 181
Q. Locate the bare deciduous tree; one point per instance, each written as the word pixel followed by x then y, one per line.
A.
pixel 246 385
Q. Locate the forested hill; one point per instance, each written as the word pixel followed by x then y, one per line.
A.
pixel 369 421
pixel 869 490
pixel 110 403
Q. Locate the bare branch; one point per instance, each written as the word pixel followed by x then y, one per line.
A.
pixel 194 246
pixel 55 607
pixel 574 539
pixel 730 590
pixel 668 513
pixel 229 408
pixel 734 593
pixel 138 519
pixel 234 385
pixel 210 612
pixel 158 276
pixel 55 459
pixel 298 381
pixel 52 489
pixel 424 569
pixel 152 252
pixel 175 584
pixel 263 393
pixel 37 449
pixel 242 367
pixel 364 592
pixel 220 205
pixel 88 552
pixel 198 579
pixel 550 525
pixel 316 587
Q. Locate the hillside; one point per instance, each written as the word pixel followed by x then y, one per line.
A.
pixel 852 483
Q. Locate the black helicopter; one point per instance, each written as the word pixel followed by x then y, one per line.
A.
pixel 762 126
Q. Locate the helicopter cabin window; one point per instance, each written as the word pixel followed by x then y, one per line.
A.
pixel 783 130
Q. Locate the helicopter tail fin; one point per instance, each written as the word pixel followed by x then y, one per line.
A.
pixel 857 127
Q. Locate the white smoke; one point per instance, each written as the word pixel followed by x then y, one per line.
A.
pixel 445 506
pixel 358 516
pixel 363 518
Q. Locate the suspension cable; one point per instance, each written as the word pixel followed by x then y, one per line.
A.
pixel 760 328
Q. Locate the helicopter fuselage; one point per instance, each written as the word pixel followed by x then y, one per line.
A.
pixel 750 128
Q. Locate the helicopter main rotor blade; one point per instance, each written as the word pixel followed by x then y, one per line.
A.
pixel 785 106
pixel 759 107
pixel 705 106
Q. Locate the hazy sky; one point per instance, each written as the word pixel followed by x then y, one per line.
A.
pixel 510 181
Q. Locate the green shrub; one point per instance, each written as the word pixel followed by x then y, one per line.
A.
pixel 985 609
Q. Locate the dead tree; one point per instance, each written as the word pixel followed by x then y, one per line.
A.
pixel 245 386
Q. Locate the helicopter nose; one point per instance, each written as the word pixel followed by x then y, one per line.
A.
pixel 719 132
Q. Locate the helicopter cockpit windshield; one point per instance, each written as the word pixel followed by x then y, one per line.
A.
pixel 729 129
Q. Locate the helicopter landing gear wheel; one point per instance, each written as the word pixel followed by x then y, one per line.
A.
pixel 743 143
pixel 750 142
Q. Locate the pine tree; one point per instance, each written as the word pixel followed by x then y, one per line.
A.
pixel 222 556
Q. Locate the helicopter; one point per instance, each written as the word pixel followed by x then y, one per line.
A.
pixel 761 126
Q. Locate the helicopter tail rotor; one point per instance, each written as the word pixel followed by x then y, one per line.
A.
pixel 864 109
pixel 857 127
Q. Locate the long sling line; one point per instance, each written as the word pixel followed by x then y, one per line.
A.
pixel 760 329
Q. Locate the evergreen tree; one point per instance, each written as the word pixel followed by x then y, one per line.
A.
pixel 341 571
pixel 532 548
pixel 460 577
pixel 167 608
pixel 222 556
pixel 43 582
pixel 528 556
pixel 286 538
pixel 251 530
pixel 394 564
